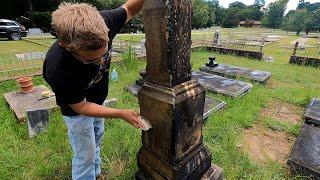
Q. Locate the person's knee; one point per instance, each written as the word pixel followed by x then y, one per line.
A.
pixel 85 155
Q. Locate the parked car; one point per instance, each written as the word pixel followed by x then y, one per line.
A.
pixel 12 30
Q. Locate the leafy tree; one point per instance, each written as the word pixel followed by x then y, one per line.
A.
pixel 252 12
pixel 298 21
pixel 220 14
pixel 213 6
pixel 231 18
pixel 307 5
pixel 200 14
pixel 316 19
pixel 41 19
pixel 237 5
pixel 274 14
pixel 112 4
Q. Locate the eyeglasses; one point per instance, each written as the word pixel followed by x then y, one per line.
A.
pixel 105 57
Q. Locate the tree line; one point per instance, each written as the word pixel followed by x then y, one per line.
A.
pixel 305 18
pixel 207 13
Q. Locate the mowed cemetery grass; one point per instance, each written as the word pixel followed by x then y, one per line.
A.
pixel 48 156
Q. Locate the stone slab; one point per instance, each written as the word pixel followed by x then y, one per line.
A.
pixel 213 173
pixel 133 88
pixel 110 102
pixel 312 114
pixel 305 61
pixel 20 103
pixel 38 121
pixel 211 105
pixel 234 72
pixel 304 157
pixel 237 52
pixel 222 85
pixel 31 55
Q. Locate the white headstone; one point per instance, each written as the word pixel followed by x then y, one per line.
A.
pixel 217 38
pixel 35 31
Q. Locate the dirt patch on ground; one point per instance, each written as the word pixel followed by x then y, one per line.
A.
pixel 263 144
pixel 283 111
pixel 117 168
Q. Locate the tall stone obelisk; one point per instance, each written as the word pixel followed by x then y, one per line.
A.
pixel 170 100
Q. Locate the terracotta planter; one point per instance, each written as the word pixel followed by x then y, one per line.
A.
pixel 26 84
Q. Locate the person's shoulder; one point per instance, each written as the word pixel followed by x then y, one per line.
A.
pixel 115 19
pixel 52 63
pixel 54 52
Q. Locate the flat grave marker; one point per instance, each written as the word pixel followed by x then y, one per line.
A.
pixel 312 114
pixel 304 157
pixel 20 103
pixel 222 85
pixel 31 55
pixel 234 72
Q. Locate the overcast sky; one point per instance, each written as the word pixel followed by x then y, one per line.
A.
pixel 291 5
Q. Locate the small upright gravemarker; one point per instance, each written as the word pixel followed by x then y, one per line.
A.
pixel 212 62
pixel 38 121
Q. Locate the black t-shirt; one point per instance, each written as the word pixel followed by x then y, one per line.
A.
pixel 73 81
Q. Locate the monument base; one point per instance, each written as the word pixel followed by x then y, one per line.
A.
pixel 213 173
pixel 196 165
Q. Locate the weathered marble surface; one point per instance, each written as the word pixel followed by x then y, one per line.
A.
pixel 312 114
pixel 222 85
pixel 211 105
pixel 234 72
pixel 304 157
pixel 20 103
pixel 38 121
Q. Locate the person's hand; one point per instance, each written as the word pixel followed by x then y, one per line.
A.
pixel 132 118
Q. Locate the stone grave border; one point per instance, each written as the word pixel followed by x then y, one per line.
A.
pixel 237 52
pixel 302 60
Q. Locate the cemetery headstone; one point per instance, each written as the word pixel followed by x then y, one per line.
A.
pixel 217 38
pixel 35 31
pixel 31 55
pixel 38 121
pixel 173 148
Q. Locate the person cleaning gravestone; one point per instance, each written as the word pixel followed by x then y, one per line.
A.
pixel 77 69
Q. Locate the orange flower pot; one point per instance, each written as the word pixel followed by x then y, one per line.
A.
pixel 25 84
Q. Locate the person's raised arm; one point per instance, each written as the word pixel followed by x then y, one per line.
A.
pixel 133 7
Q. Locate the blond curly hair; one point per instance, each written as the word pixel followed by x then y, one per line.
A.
pixel 80 26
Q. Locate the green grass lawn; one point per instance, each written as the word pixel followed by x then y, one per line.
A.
pixel 48 156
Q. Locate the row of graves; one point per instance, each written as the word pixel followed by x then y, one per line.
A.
pixel 120 47
pixel 240 45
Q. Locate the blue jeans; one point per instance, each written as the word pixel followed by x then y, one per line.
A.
pixel 85 135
